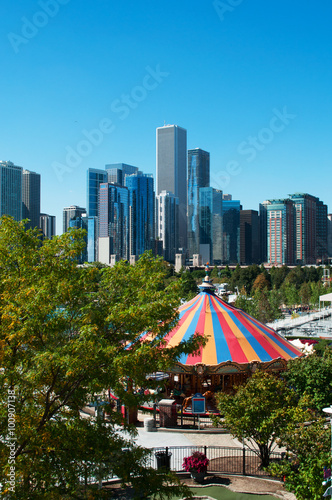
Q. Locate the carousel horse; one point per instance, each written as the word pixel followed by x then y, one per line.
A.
pixel 188 401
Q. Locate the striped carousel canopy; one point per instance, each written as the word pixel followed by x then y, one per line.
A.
pixel 232 334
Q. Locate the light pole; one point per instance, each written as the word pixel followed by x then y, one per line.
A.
pixel 328 410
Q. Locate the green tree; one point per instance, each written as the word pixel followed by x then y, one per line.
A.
pixel 312 375
pixel 304 294
pixel 278 275
pixel 257 412
pixel 67 333
pixel 307 440
pixel 188 285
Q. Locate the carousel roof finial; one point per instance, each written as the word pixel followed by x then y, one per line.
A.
pixel 206 285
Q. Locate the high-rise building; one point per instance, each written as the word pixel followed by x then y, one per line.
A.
pixel 249 237
pixel 263 230
pixel 198 177
pixel 306 227
pixel 210 225
pixel 47 226
pixel 114 220
pixel 116 172
pixel 231 230
pixel 321 224
pixel 167 214
pixel 81 222
pixel 94 178
pixel 171 170
pixel 11 190
pixel 31 198
pixel 141 212
pixel 281 239
pixel 70 213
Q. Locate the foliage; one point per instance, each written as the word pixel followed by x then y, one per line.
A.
pixel 307 440
pixel 188 286
pixel 257 412
pixel 261 283
pixel 197 461
pixel 63 336
pixel 312 375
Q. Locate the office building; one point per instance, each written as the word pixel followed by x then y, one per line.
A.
pixel 31 198
pixel 94 178
pixel 70 213
pixel 11 190
pixel 171 171
pixel 210 225
pixel 141 212
pixel 249 237
pixel 113 222
pixel 322 232
pixel 116 172
pixel 306 227
pixel 231 230
pixel 47 226
pixel 167 214
pixel 281 237
pixel 263 230
pixel 80 222
pixel 198 177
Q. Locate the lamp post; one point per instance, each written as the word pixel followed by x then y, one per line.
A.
pixel 328 410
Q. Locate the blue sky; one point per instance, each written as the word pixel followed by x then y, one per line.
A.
pixel 85 83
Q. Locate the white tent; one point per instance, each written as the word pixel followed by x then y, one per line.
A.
pixel 325 298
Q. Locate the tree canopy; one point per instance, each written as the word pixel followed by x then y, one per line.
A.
pixel 68 333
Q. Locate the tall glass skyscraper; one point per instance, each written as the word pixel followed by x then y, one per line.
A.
pixel 114 218
pixel 116 172
pixel 210 225
pixel 31 198
pixel 70 213
pixel 94 178
pixel 11 190
pixel 171 170
pixel 198 177
pixel 142 203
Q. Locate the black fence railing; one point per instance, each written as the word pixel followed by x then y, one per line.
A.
pixel 179 418
pixel 225 460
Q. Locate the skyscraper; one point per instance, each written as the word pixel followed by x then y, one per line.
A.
pixel 306 227
pixel 94 178
pixel 281 232
pixel 31 198
pixel 171 170
pixel 116 172
pixel 210 225
pixel 231 230
pixel 47 225
pixel 141 212
pixel 198 177
pixel 70 213
pixel 249 237
pixel 167 214
pixel 114 220
pixel 11 190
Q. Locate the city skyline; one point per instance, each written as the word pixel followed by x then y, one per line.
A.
pixel 251 84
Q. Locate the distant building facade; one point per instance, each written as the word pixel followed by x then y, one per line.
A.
pixel 70 213
pixel 11 190
pixel 198 177
pixel 231 230
pixel 281 242
pixel 31 198
pixel 171 170
pixel 167 215
pixel 249 237
pixel 211 225
pixel 47 224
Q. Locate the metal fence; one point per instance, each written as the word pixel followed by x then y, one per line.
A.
pixel 182 419
pixel 225 460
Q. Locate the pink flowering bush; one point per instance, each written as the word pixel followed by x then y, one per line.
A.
pixel 197 461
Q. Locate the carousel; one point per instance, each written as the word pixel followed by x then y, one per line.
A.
pixel 237 345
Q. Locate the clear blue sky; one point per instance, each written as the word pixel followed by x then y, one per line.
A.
pixel 226 73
